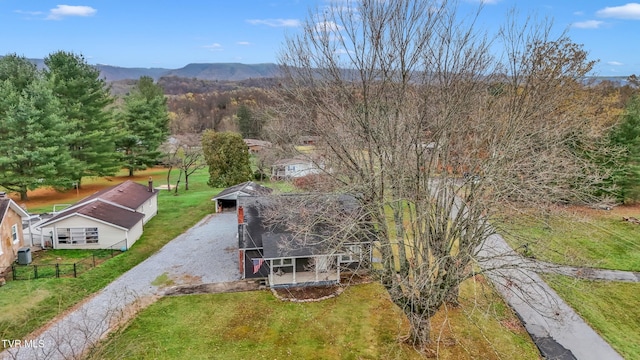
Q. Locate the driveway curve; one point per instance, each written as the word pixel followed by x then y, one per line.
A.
pixel 206 253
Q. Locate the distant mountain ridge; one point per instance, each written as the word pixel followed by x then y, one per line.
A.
pixel 204 71
pixel 201 71
pixel 230 72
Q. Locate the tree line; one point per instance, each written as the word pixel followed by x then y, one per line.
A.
pixel 61 124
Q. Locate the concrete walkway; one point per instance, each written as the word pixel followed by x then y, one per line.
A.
pixel 207 253
pixel 583 272
pixel 558 331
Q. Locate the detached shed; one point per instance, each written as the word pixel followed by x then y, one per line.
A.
pixel 228 198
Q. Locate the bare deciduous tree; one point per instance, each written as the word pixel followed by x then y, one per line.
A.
pixel 419 117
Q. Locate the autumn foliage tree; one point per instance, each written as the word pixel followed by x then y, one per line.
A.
pixel 406 98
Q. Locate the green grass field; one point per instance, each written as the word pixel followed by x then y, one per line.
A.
pixel 580 238
pixel 612 309
pixel 361 323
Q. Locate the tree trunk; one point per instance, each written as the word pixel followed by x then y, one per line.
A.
pixel 178 182
pixel 23 194
pixel 420 335
pixel 130 171
pixel 452 296
pixel 186 181
pixel 169 179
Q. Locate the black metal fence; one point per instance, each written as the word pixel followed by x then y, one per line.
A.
pixel 58 270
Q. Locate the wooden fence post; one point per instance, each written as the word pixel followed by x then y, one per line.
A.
pixel 75 273
pixel 35 271
pixel 13 272
pixel 57 270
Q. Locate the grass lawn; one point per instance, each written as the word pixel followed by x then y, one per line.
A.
pixel 579 237
pixel 27 305
pixel 612 309
pixel 361 323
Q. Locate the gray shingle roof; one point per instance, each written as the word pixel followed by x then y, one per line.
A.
pixel 246 188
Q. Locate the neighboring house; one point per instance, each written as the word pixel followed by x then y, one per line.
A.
pixel 295 167
pixel 11 234
pixel 255 146
pixel 227 198
pixel 113 217
pixel 286 257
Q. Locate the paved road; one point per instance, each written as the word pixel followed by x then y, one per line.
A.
pixel 207 253
pixel 557 329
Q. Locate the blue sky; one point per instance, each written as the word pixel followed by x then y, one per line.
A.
pixel 172 33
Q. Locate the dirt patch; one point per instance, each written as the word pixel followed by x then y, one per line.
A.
pixel 301 293
pixel 513 324
pixel 319 293
pixel 48 196
pixel 242 285
pixel 615 212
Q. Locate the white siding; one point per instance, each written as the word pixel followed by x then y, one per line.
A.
pixel 301 169
pixel 149 208
pixel 108 235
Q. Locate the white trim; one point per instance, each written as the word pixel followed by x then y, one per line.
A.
pixel 87 217
pixel 14 227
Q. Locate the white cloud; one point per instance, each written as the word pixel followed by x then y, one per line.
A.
pixel 31 13
pixel 69 10
pixel 615 63
pixel 578 13
pixel 328 26
pixel 628 11
pixel 275 22
pixel 214 47
pixel 245 43
pixel 589 24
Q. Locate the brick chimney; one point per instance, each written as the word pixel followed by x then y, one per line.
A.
pixel 150 189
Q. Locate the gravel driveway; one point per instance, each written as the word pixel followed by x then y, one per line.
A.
pixel 206 253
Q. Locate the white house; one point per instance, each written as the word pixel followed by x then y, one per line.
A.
pixel 295 167
pixel 113 217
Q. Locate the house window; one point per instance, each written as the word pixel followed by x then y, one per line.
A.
pixel 14 234
pixel 281 263
pixel 78 236
pixel 353 254
pixel 291 168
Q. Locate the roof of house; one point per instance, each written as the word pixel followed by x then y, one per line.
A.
pixel 115 205
pixel 277 245
pixel 6 204
pixel 101 211
pixel 299 159
pixel 256 142
pixel 128 194
pixel 278 240
pixel 248 188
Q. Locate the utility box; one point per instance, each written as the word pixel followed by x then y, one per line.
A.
pixel 24 256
